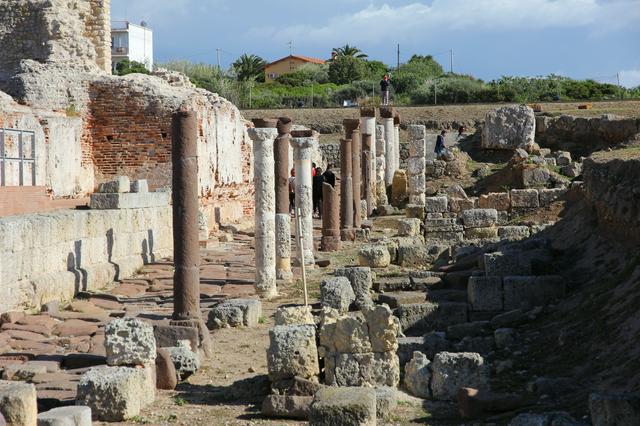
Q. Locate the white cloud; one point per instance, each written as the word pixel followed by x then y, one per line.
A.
pixel 376 23
pixel 630 78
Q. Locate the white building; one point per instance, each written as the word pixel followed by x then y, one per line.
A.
pixel 132 42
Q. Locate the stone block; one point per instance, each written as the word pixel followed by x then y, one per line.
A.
pixel 495 200
pixel 563 158
pixel 524 198
pixel 185 361
pixel 120 185
pixel 509 127
pixel 415 211
pixel 66 416
pixel 417 185
pixel 435 342
pixel 235 313
pixel 399 298
pixel 399 188
pixel 457 205
pixel 535 177
pixel 548 196
pixel 529 291
pixel 409 227
pixel 383 329
pixel 129 341
pixel 417 375
pixel 348 334
pixel 427 317
pixel 420 255
pixel 442 225
pixel 361 282
pixel 362 369
pixel 479 218
pixel 572 170
pixel 406 347
pixel 485 294
pixel 436 204
pixel 486 233
pixel 375 256
pixel 337 293
pixel 112 201
pixel 513 233
pixel 115 393
pixel 294 315
pixel 386 401
pixel 166 374
pixel 417 198
pixel 292 352
pixel 614 409
pixel 287 406
pixel 415 165
pixel 169 335
pixel 452 371
pixel 351 406
pixel 140 186
pixel 18 403
pixel 499 264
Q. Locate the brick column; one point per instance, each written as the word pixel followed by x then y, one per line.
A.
pixel 330 219
pixel 416 164
pixel 367 173
pixel 352 132
pixel 303 143
pixel 265 209
pixel 283 218
pixel 381 187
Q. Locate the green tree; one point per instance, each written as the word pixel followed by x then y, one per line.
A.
pixel 249 67
pixel 351 51
pixel 126 66
pixel 346 69
pixel 375 70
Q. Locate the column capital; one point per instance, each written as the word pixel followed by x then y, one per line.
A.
pixel 263 134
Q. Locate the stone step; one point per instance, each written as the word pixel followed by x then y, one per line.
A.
pixel 398 298
pixel 420 318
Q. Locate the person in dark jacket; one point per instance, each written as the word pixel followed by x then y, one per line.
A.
pixel 384 89
pixel 329 177
pixel 440 148
pixel 316 191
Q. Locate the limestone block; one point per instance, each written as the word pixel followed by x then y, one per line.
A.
pixel 572 170
pixel 139 185
pixel 18 403
pixel 436 204
pixel 417 184
pixel 409 227
pixel 486 233
pixel 485 294
pixel 287 406
pixel 350 335
pixel 129 341
pixel 170 336
pixel 417 375
pixel 452 371
pixel 128 200
pixel 457 205
pixel 292 352
pixel 495 200
pixel 399 187
pixel 343 406
pixel 435 168
pixel 620 409
pixel 442 225
pixel 337 293
pixel 563 158
pixel 115 393
pixel 386 401
pixel 361 281
pixel 529 291
pixel 374 256
pixel 427 317
pixel 548 196
pixel 415 165
pixel 383 328
pixel 362 369
pixel 417 199
pixel 294 315
pixel 509 127
pixel 415 211
pixel 226 313
pixel 524 198
pixel 513 233
pixel 420 255
pixel 479 218
pixel 120 185
pixel 185 361
pixel 499 264
pixel 66 416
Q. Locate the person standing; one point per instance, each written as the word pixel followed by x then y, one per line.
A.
pixel 292 191
pixel 384 89
pixel 318 180
pixel 329 177
pixel 440 147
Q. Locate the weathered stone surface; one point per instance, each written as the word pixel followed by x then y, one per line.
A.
pixel 235 313
pixel 169 335
pixel 452 371
pixel 409 227
pixel 524 198
pixel 166 374
pixel 530 291
pixel 436 204
pixel 383 328
pixel 509 127
pixel 349 406
pixel 479 218
pixel 614 409
pixel 119 185
pixel 413 211
pixel 399 188
pixel 296 386
pixel 116 393
pixel 563 158
pixel 417 376
pixel 399 298
pixel 386 401
pixel 427 317
pixel 140 185
pixel 362 369
pixel 292 352
pixel 361 282
pixel 18 403
pixel 287 406
pixel 487 233
pixel 294 315
pixel 337 293
pixel 504 337
pixel 548 196
pixel 499 264
pixel 485 294
pixel 128 200
pixel 129 341
pixel 473 403
pixel 572 170
pixel 513 233
pixel 374 256
pixel 457 205
pixel 420 255
pixel 555 418
pixel 495 200
pixel 66 416
pixel 185 361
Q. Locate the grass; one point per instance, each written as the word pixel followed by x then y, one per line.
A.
pixel 72 111
pixel 179 401
pixel 262 320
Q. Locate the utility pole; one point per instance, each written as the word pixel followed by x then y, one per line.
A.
pixel 398 68
pixel 451 60
pixel 218 58
pixel 290 48
pixel 435 92
pixel 619 87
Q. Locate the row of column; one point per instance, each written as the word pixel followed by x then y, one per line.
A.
pixel 416 164
pixel 271 140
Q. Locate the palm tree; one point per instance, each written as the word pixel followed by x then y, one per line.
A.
pixel 248 67
pixel 352 51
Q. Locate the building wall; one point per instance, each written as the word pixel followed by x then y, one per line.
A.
pixel 273 71
pixel 141 45
pixel 52 256
pixel 98 30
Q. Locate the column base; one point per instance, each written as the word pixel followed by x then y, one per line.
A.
pixel 348 234
pixel 206 344
pixel 330 243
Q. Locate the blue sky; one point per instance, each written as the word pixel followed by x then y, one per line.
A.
pixel 489 38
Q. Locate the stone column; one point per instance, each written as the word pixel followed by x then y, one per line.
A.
pixel 186 250
pixel 265 210
pixel 396 125
pixel 390 147
pixel 330 219
pixel 346 191
pixel 351 130
pixel 381 187
pixel 416 164
pixel 303 143
pixel 368 183
pixel 368 127
pixel 283 218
